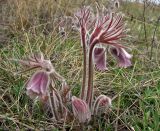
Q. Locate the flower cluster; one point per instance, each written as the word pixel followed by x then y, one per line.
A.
pixel 97 32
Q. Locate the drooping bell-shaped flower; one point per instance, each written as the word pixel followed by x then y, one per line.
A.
pixel 81 110
pixel 38 84
pixel 122 56
pixel 101 103
pixel 99 57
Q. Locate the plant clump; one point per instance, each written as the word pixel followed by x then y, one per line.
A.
pixel 100 32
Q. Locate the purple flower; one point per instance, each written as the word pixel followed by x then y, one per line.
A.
pixel 81 110
pixel 99 57
pixel 38 84
pixel 122 56
pixel 105 29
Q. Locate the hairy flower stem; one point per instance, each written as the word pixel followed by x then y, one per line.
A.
pixel 84 64
pixel 52 104
pixel 60 103
pixel 90 78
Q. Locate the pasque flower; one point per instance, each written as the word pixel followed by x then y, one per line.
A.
pixel 81 110
pixel 38 84
pixel 41 84
pixel 97 33
pixel 104 30
pixel 122 56
pixel 99 57
pixel 101 103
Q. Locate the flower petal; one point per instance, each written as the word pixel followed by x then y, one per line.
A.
pixel 122 56
pixel 99 57
pixel 38 84
pixel 81 110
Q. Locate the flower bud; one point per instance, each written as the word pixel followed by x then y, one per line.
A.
pixel 101 103
pixel 81 110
